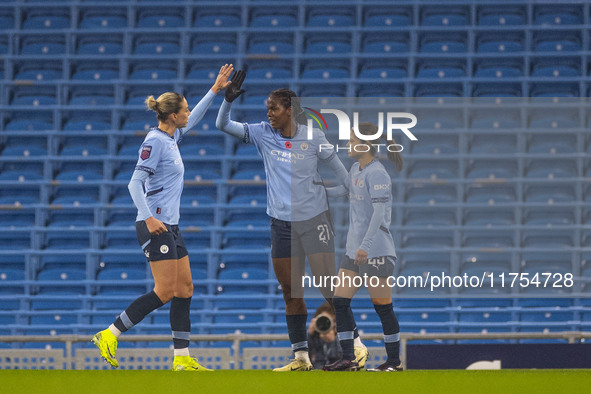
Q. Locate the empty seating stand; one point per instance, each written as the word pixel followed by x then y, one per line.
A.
pixel 485 190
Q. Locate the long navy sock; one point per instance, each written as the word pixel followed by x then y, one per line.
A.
pixel 391 332
pixel 298 335
pixel 137 310
pixel 180 321
pixel 345 326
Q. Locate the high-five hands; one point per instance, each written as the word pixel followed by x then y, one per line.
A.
pixel 221 82
pixel 235 89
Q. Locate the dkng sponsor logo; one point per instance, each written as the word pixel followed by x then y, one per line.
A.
pixel 390 121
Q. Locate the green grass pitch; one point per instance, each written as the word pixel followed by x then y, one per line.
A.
pixel 145 382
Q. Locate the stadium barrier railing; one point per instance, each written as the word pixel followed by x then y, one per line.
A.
pixel 234 357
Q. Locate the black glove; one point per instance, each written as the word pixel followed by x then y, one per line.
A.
pixel 233 91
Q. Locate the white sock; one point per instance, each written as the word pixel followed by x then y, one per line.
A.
pixel 357 342
pixel 114 330
pixel 181 352
pixel 302 355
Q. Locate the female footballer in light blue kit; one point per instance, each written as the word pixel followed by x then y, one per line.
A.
pixel 160 171
pixel 296 201
pixel 370 249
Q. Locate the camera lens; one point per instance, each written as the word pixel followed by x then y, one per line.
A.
pixel 323 324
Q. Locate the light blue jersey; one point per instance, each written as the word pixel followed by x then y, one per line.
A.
pixel 160 157
pixel 161 170
pixel 368 186
pixel 295 190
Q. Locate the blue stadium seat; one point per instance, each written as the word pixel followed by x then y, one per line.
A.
pixel 383 17
pixel 43 45
pixel 556 42
pixel 506 42
pixel 561 168
pixel 551 144
pixel 198 195
pixel 80 171
pixel 427 240
pixel 36 97
pixel 9 278
pixel 239 280
pixel 36 121
pixel 61 281
pixel 432 194
pixel 153 71
pixel 324 70
pixel 330 17
pixel 556 239
pixel 556 69
pixel 95 71
pixel 103 18
pixel 21 171
pixel 545 193
pixel 490 194
pixel 505 15
pixel 491 169
pixel 80 194
pixel 375 70
pixel 440 70
pixel 47 19
pixel 67 240
pixel 217 44
pixel 98 97
pixel 487 239
pixel 277 44
pixel 327 44
pixel 7 19
pixel 429 217
pixel 70 219
pixel 548 217
pixel 433 169
pixel 228 17
pixel 385 44
pixel 492 144
pixel 448 16
pixel 11 218
pixel 159 18
pixel 282 18
pixel 438 43
pixel 117 281
pixel 18 195
pixel 156 45
pixel 552 15
pixel 38 71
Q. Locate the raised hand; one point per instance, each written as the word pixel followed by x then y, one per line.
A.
pixel 221 82
pixel 234 90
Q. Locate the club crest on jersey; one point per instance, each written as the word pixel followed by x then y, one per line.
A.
pixel 359 183
pixel 146 151
pixel 163 249
pixel 304 146
pixel 288 144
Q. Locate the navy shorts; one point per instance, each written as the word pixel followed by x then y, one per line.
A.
pixel 169 245
pixel 302 238
pixel 381 267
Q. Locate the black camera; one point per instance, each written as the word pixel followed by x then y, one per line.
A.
pixel 324 323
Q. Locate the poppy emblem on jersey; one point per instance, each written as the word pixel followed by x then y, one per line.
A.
pixel 288 144
pixel 164 249
pixel 146 150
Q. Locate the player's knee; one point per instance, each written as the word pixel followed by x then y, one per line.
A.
pixel 164 293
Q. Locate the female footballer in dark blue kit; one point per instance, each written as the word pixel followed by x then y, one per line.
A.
pixel 370 249
pixel 160 171
pixel 296 201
